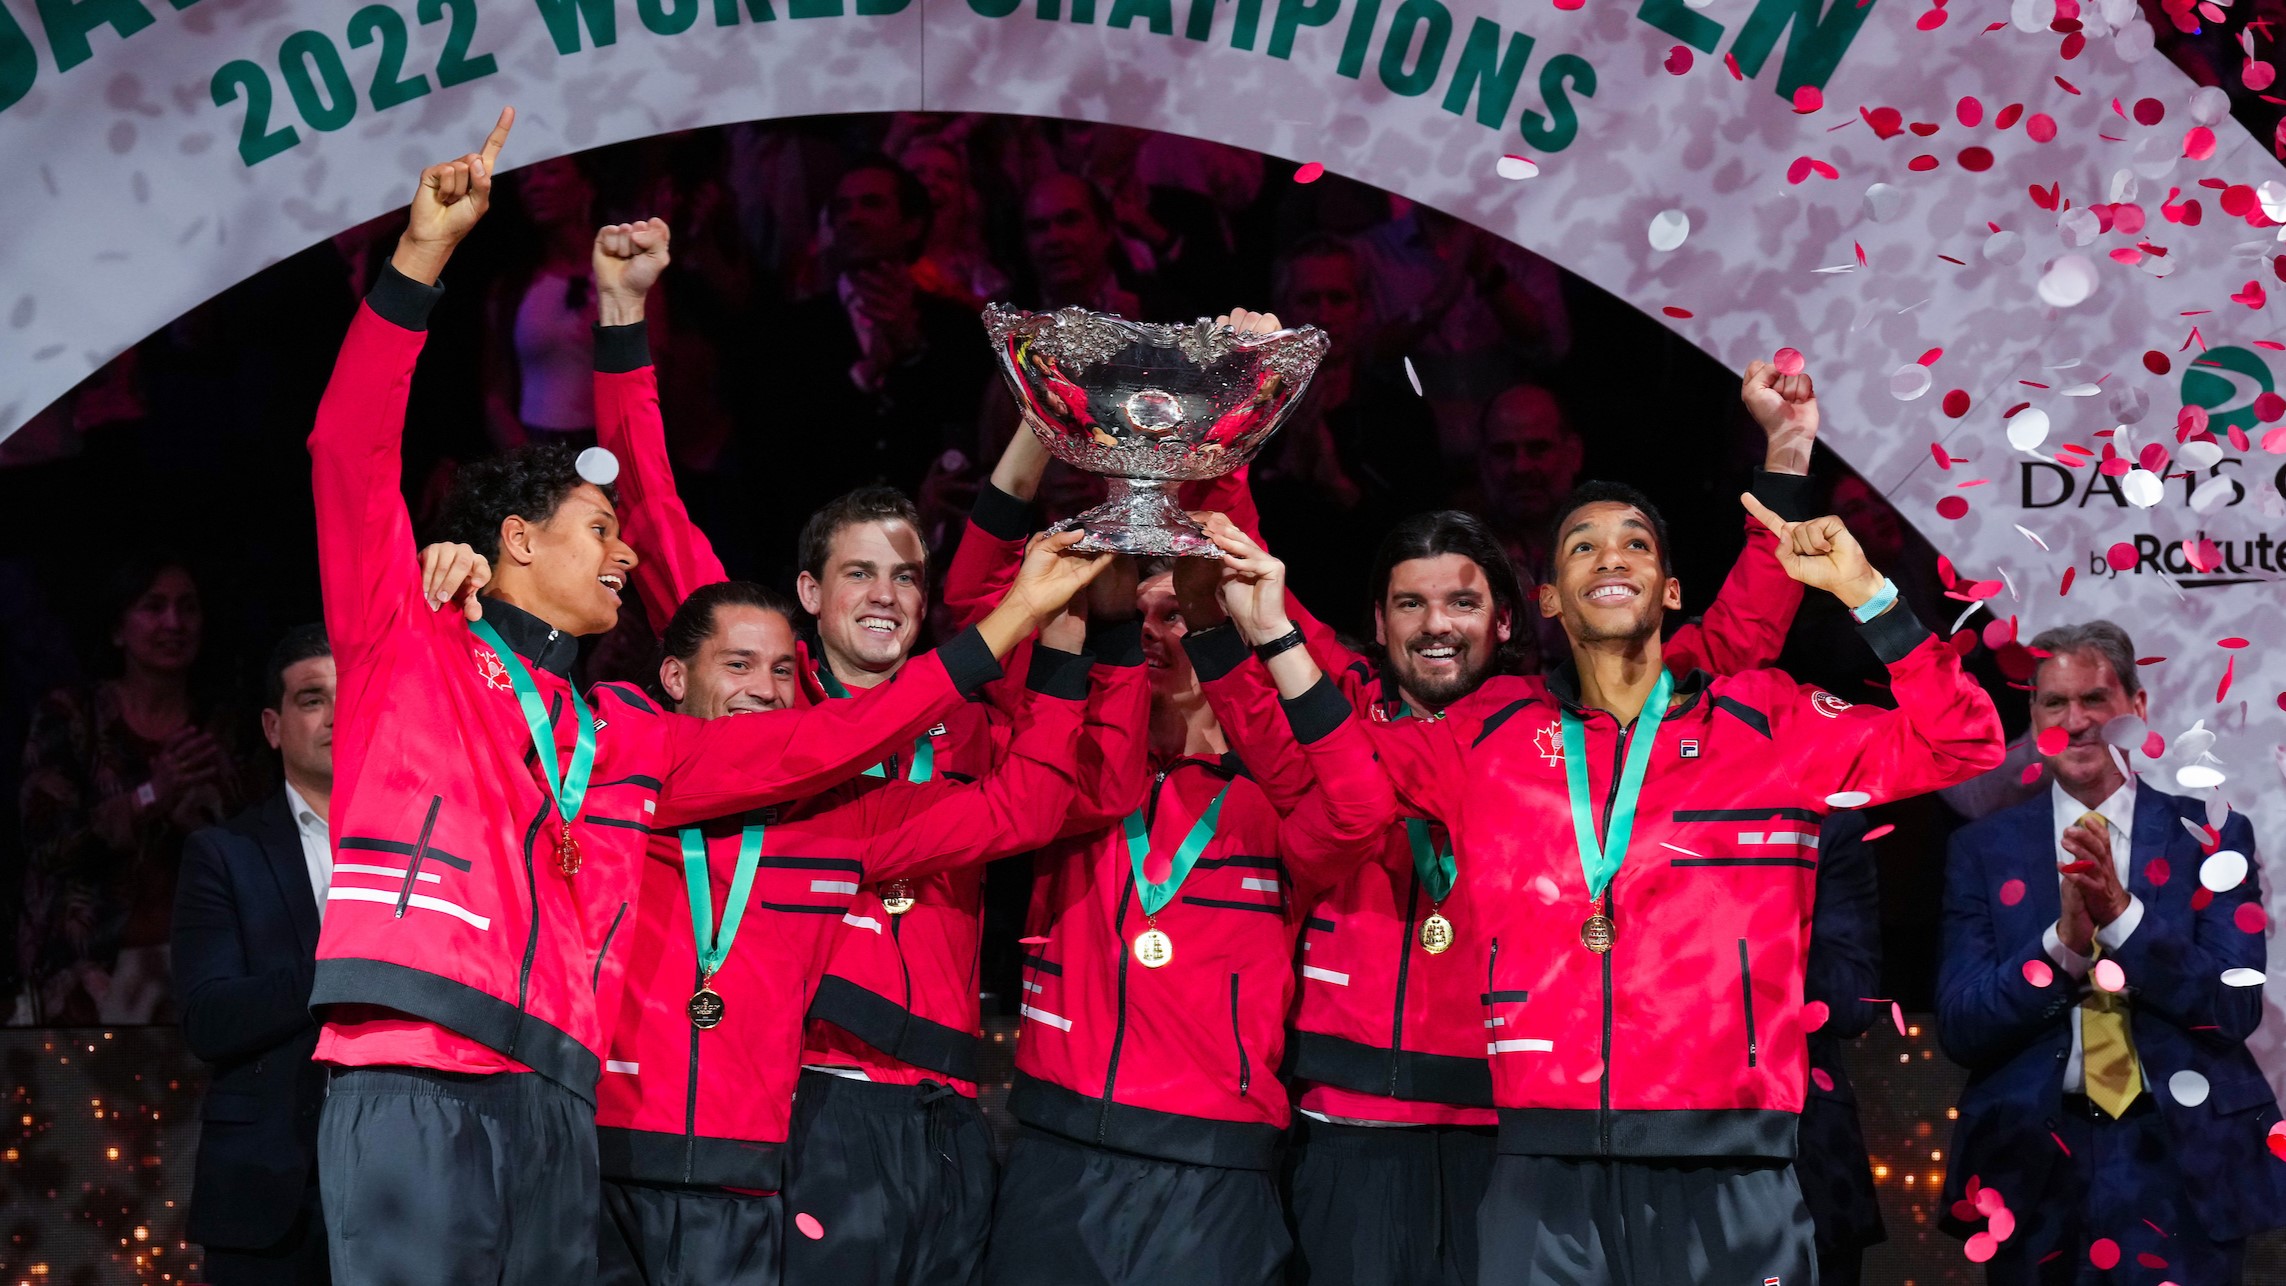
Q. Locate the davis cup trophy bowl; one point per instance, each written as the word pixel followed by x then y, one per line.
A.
pixel 1149 405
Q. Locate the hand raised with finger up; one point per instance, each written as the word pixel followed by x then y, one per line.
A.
pixel 453 195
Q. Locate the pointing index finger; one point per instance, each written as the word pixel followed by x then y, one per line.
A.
pixel 498 137
pixel 1762 514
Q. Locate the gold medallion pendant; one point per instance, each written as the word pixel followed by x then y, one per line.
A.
pixel 1596 933
pixel 567 852
pixel 1153 948
pixel 705 1008
pixel 897 897
pixel 1436 934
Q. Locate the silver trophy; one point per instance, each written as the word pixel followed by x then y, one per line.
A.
pixel 1149 405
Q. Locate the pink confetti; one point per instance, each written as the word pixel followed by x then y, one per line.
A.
pixel 2252 296
pixel 1814 1015
pixel 2040 128
pixel 2233 641
pixel 1969 111
pixel 2121 556
pixel 1819 1078
pixel 1730 61
pixel 2199 143
pixel 2249 917
pixel 1887 122
pixel 1878 831
pixel 1807 99
pixel 1673 311
pixel 1805 166
pixel 2008 116
pixel 2038 973
pixel 1976 160
pixel 2157 871
pixel 2109 976
pixel 1788 361
pixel 2103 1252
pixel 2030 774
pixel 2154 746
pixel 1897 1016
pixel 1309 173
pixel 2011 892
pixel 1980 1247
pixel 1032 942
pixel 2223 689
pixel 1679 60
pixel 1952 508
pixel 1957 403
pixel 2003 1225
pixel 2277 1139
pixel 2269 407
pixel 1931 20
pixel 2149 111
pixel 2258 75
pixel 807 1224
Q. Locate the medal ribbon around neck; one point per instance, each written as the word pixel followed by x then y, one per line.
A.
pixel 924 766
pixel 1600 861
pixel 714 943
pixel 1434 866
pixel 569 783
pixel 1156 896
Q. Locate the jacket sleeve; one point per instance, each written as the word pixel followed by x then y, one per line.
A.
pixel 1014 808
pixel 1245 703
pixel 1845 929
pixel 1987 1010
pixel 1745 627
pixel 1337 826
pixel 1944 729
pixel 366 564
pixel 1232 496
pixel 1115 742
pixel 676 557
pixel 991 550
pixel 2175 970
pixel 230 1008
pixel 718 766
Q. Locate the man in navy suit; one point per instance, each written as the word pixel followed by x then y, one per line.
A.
pixel 245 944
pixel 2099 984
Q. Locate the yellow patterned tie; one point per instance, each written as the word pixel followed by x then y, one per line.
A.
pixel 2107 1050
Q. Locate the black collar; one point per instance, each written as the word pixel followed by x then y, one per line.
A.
pixel 1564 685
pixel 535 640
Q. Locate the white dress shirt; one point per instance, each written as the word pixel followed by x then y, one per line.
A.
pixel 2119 814
pixel 317 845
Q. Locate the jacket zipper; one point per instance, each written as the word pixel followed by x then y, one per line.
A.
pixel 1238 1037
pixel 904 970
pixel 532 935
pixel 595 979
pixel 690 1100
pixel 1610 905
pixel 420 850
pixel 1119 938
pixel 1746 994
pixel 1404 964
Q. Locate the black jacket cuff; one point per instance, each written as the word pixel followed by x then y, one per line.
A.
pixel 620 349
pixel 1316 713
pixel 1058 674
pixel 969 662
pixel 1116 642
pixel 402 301
pixel 1216 651
pixel 996 513
pixel 1893 633
pixel 1791 496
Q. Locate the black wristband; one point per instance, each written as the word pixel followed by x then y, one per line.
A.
pixel 1286 642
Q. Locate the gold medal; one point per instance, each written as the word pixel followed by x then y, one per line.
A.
pixel 1436 933
pixel 1596 933
pixel 1154 948
pixel 705 1008
pixel 567 851
pixel 897 897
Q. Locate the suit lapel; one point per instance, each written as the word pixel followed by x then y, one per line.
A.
pixel 282 844
pixel 2030 856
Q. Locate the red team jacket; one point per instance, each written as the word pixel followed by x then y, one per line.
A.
pixel 452 938
pixel 659 1120
pixel 1385 1030
pixel 1686 1039
pixel 899 999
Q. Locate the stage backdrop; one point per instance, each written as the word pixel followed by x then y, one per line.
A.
pixel 2012 241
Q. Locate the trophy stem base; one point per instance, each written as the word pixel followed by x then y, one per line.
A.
pixel 1141 517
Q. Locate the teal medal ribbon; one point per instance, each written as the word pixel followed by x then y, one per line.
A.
pixel 568 783
pixel 713 943
pixel 1599 861
pixel 924 765
pixel 1433 865
pixel 1152 946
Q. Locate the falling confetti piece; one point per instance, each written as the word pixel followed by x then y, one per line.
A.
pixel 1814 1015
pixel 1512 166
pixel 2250 918
pixel 808 1225
pixel 2012 893
pixel 1679 60
pixel 1730 61
pixel 1848 799
pixel 2223 872
pixel 2038 973
pixel 1976 160
pixel 2243 977
pixel 2223 689
pixel 2199 143
pixel 1669 229
pixel 2028 429
pixel 1957 403
pixel 1807 99
pixel 2157 871
pixel 1673 311
pixel 1878 831
pixel 1032 942
pixel 1952 508
pixel 2030 774
pixel 1921 164
pixel 1931 20
pixel 2113 979
pixel 2232 642
pixel 1897 1016
pixel 1309 173
pixel 2052 741
pixel 1981 1246
pixel 2003 1224
pixel 1545 889
pixel 1788 361
pixel 1909 381
pixel 2040 128
pixel 2103 1252
pixel 1819 1078
pixel 2120 557
pixel 2068 281
pixel 1887 122
pixel 1413 377
pixel 1805 166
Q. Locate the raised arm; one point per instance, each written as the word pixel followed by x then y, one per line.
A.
pixel 1115 742
pixel 677 556
pixel 365 537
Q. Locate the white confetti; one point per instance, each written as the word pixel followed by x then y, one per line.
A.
pixel 2142 488
pixel 1669 229
pixel 597 466
pixel 2223 872
pixel 1839 267
pixel 2195 740
pixel 2209 104
pixel 2004 247
pixel 2188 1087
pixel 2130 405
pixel 2080 390
pixel 2198 777
pixel 2079 227
pixel 2199 453
pixel 1413 377
pixel 2124 185
pixel 2028 428
pixel 2126 731
pixel 2243 977
pixel 1909 381
pixel 1512 166
pixel 1883 202
pixel 2212 494
pixel 1848 799
pixel 1676 847
pixel 2028 534
pixel 2068 282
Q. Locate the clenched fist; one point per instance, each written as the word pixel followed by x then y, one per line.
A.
pixel 627 262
